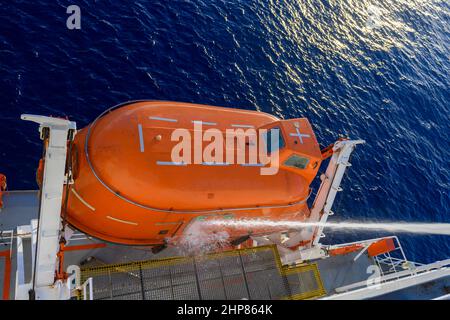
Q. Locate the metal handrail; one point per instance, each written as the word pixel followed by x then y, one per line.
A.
pixel 84 286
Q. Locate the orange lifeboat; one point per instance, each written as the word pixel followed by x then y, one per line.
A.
pixel 128 189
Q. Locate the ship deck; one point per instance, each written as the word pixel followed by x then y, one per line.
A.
pixel 191 277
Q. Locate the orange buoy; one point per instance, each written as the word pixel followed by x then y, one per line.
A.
pixel 129 189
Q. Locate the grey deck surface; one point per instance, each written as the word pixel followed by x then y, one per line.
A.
pixel 338 271
pixel 19 208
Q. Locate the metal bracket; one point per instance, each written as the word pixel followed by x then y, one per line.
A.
pixel 328 189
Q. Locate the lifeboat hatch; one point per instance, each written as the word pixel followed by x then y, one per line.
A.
pixel 167 229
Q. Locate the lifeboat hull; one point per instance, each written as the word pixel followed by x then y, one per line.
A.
pixel 128 190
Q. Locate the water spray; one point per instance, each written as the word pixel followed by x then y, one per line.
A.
pixel 416 228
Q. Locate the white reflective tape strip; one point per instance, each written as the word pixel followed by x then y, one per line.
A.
pixel 122 221
pixel 301 135
pixel 141 138
pixel 242 126
pixel 82 200
pixel 215 164
pixel 205 123
pixel 170 163
pixel 163 119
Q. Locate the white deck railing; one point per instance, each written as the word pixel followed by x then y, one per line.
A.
pixel 396 273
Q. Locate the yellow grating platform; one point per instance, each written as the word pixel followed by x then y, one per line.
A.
pixel 252 273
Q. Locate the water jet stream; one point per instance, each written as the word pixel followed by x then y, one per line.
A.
pixel 417 228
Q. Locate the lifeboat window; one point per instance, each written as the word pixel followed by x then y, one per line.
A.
pixel 268 139
pixel 297 161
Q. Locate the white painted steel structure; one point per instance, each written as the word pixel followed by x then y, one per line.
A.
pixel 331 183
pixel 45 232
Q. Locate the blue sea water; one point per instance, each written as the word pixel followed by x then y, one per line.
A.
pixel 374 70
